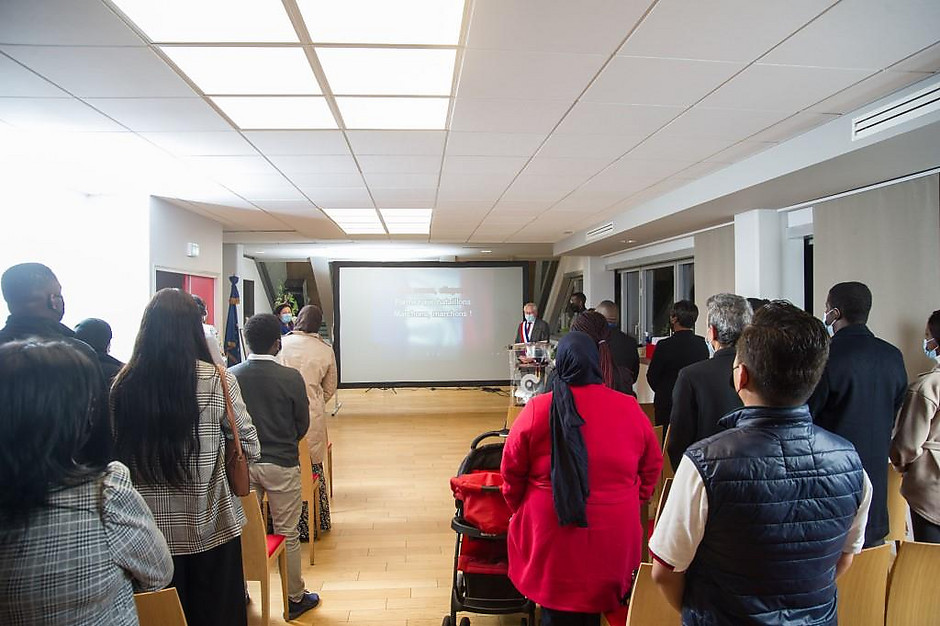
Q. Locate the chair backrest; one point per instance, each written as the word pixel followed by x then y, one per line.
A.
pixel 912 596
pixel 863 587
pixel 160 608
pixel 667 485
pixel 648 606
pixel 659 434
pixel 254 539
pixel 650 411
pixel 897 507
pixel 668 470
pixel 306 473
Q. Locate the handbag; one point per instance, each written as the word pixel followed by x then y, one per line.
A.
pixel 236 463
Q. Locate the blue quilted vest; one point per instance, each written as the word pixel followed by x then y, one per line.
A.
pixel 782 495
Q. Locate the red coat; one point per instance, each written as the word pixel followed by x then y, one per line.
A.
pixel 580 569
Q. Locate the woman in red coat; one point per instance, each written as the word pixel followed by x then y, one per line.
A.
pixel 575 467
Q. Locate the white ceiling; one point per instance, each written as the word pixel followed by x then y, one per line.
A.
pixel 563 111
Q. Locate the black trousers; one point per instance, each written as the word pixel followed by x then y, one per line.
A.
pixel 211 586
pixel 551 617
pixel 925 531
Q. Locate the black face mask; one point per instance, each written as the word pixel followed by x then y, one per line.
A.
pixel 574 307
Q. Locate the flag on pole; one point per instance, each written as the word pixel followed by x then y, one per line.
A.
pixel 233 351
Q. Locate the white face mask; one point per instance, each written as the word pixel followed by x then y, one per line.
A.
pixel 529 317
pixel 828 325
pixel 709 341
pixel 931 354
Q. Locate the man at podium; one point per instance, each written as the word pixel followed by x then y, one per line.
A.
pixel 532 328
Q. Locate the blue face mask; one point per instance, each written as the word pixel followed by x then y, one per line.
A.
pixel 529 318
pixel 286 317
pixel 931 354
pixel 612 325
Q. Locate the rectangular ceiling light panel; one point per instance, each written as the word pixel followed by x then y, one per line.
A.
pixel 415 22
pixel 407 221
pixel 388 71
pixel 394 113
pixel 205 21
pixel 272 113
pixel 246 71
pixel 357 221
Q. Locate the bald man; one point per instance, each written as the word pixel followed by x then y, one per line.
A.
pixel 623 347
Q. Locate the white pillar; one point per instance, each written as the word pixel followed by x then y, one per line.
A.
pixel 758 254
pixel 598 281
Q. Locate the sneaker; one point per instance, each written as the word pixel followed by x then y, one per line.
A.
pixel 309 601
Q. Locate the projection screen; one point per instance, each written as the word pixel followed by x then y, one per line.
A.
pixel 408 324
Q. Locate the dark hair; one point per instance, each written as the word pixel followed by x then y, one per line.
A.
pixel 201 304
pixel 20 282
pixel 309 319
pixel 685 313
pixel 853 299
pixel 49 392
pixel 594 325
pixel 784 350
pixel 261 332
pixel 156 413
pixel 95 332
pixel 933 325
pixel 757 303
pixel 580 296
pixel 280 307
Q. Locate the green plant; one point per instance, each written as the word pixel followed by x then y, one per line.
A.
pixel 283 296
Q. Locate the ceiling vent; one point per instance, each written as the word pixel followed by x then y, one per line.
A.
pixel 599 231
pixel 912 106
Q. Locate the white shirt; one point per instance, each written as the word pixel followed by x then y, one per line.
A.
pixel 262 357
pixel 682 523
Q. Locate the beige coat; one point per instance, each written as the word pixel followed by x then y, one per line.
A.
pixel 315 360
pixel 915 446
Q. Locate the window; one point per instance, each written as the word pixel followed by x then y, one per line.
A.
pixel 562 318
pixel 648 293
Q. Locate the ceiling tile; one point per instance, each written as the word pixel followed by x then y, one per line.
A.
pixel 456 208
pixel 97 72
pixel 412 198
pixel 927 60
pixel 385 142
pixel 293 142
pixel 493 144
pixel 483 164
pixel 585 146
pixel 617 119
pixel 719 30
pixel 298 207
pixel 540 187
pixel 472 187
pixel 499 74
pixel 261 194
pixel 400 164
pixel 782 87
pixel 340 197
pixel 230 165
pixel 218 143
pixel 510 207
pixel 662 146
pixel 670 82
pixel 730 124
pixel 581 201
pixel 315 164
pixel 63 23
pixel 507 116
pixel 54 114
pixel 741 151
pixel 17 81
pixel 161 114
pixel 401 181
pixel 312 180
pixel 844 37
pixel 574 168
pixel 313 227
pixel 793 126
pixel 872 88
pixel 253 181
pixel 553 25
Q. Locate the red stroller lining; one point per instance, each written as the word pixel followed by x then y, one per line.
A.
pixel 483 503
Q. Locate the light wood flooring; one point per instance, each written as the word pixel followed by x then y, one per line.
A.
pixel 389 558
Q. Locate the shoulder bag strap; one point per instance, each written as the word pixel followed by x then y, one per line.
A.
pixel 229 411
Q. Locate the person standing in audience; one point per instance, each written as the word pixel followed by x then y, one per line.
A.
pixel 285 314
pixel 576 465
pixel 76 539
pixel 623 347
pixel 532 328
pixel 915 445
pixel 764 516
pixel 34 297
pixel 170 428
pixel 860 392
pixel 212 335
pixel 304 350
pixel 683 348
pixel 702 394
pixel 276 399
pixel 97 334
pixel 595 326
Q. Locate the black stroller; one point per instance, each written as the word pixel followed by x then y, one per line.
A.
pixel 481 583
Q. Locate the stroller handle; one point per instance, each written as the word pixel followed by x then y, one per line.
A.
pixel 492 433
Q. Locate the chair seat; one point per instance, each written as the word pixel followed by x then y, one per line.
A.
pixel 274 542
pixel 617 617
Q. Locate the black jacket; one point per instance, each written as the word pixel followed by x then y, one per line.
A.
pixel 671 355
pixel 540 331
pixel 623 349
pixel 703 395
pixel 858 397
pixel 109 367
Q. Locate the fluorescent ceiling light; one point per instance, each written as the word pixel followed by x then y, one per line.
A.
pixel 250 71
pixel 407 221
pixel 271 113
pixel 433 22
pixel 357 221
pixel 388 71
pixel 167 21
pixel 394 113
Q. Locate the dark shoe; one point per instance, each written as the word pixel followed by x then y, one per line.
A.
pixel 309 601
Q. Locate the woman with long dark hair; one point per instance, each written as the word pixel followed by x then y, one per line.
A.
pixel 76 539
pixel 170 429
pixel 595 326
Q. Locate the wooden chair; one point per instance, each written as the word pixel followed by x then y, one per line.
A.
pixel 160 608
pixel 667 485
pixel 912 596
pixel 650 411
pixel 259 552
pixel 668 470
pixel 309 488
pixel 645 525
pixel 897 507
pixel 329 467
pixel 863 587
pixel 648 606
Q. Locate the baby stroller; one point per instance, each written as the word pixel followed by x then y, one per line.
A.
pixel 481 583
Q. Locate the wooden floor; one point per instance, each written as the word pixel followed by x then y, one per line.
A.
pixel 389 558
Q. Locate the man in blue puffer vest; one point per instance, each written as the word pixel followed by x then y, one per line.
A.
pixel 764 516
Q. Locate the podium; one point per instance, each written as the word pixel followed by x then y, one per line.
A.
pixel 530 365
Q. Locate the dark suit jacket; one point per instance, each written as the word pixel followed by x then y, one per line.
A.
pixel 623 349
pixel 703 395
pixel 858 397
pixel 540 331
pixel 671 355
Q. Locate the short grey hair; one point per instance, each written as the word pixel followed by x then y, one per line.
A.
pixel 531 304
pixel 729 313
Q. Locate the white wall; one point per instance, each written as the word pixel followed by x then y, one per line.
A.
pixel 235 262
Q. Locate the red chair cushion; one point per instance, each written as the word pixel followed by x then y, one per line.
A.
pixel 617 617
pixel 273 542
pixel 316 476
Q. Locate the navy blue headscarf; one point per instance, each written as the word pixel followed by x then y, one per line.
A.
pixel 577 363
